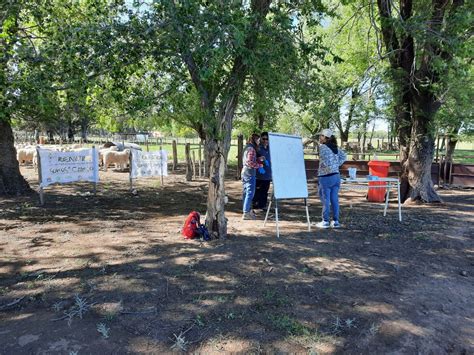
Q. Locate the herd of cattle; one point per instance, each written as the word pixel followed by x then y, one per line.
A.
pixel 110 153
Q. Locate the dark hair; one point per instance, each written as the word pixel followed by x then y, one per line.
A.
pixel 332 140
pixel 253 139
pixel 264 134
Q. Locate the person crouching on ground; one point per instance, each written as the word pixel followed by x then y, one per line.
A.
pixel 250 165
pixel 263 180
pixel 330 159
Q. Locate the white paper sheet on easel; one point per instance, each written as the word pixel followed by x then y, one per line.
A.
pixel 288 169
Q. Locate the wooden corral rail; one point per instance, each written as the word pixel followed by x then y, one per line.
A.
pixel 462 175
pixel 312 165
pixel 355 156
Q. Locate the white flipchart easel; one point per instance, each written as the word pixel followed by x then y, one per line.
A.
pixel 288 172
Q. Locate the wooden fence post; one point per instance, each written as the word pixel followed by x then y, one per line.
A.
pixel 175 155
pixel 240 151
pixel 200 160
pixel 189 171
pixel 194 165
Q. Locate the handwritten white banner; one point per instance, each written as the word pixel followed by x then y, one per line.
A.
pixel 63 167
pixel 149 164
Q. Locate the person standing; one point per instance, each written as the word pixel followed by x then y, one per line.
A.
pixel 250 165
pixel 329 179
pixel 263 179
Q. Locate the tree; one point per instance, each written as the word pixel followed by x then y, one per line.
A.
pixel 421 41
pixel 214 46
pixel 338 80
pixel 11 180
pixel 456 115
pixel 51 52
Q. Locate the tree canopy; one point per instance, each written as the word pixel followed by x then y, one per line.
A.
pixel 211 67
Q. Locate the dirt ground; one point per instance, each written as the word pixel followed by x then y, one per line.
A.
pixel 111 274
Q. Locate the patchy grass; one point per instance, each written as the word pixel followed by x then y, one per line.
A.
pixel 112 272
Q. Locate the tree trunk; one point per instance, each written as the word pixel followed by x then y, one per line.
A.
pixel 420 160
pixel 415 82
pixel 344 136
pixel 84 127
pixel 207 160
pixel 259 100
pixel 11 180
pixel 189 171
pixel 218 126
pixel 403 127
pixel 362 145
pixel 421 151
pixel 218 150
pixel 260 121
pixel 372 135
pixel 216 221
pixel 350 116
pixel 451 141
pixel 240 150
pixel 450 146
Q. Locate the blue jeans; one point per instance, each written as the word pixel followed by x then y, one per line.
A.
pixel 329 194
pixel 249 191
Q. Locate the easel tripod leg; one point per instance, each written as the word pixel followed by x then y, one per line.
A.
pixel 307 214
pixel 268 211
pixel 386 200
pixel 276 218
pixel 399 204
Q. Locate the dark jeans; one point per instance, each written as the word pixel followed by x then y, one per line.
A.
pixel 261 194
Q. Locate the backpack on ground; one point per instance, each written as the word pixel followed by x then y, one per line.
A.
pixel 191 225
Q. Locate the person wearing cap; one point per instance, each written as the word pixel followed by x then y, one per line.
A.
pixel 263 179
pixel 329 179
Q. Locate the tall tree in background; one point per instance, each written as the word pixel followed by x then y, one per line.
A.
pixel 456 114
pixel 212 45
pixel 47 48
pixel 337 80
pixel 219 44
pixel 349 40
pixel 11 36
pixel 422 41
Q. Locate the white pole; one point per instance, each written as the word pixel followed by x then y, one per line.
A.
pixel 276 218
pixel 307 214
pixel 130 170
pixel 95 165
pixel 399 204
pixel 268 211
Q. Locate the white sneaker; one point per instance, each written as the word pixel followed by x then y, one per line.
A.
pixel 335 224
pixel 323 224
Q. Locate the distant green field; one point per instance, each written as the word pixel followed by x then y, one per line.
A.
pixel 464 156
pixel 465 146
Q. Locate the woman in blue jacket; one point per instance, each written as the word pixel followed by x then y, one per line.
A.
pixel 264 177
